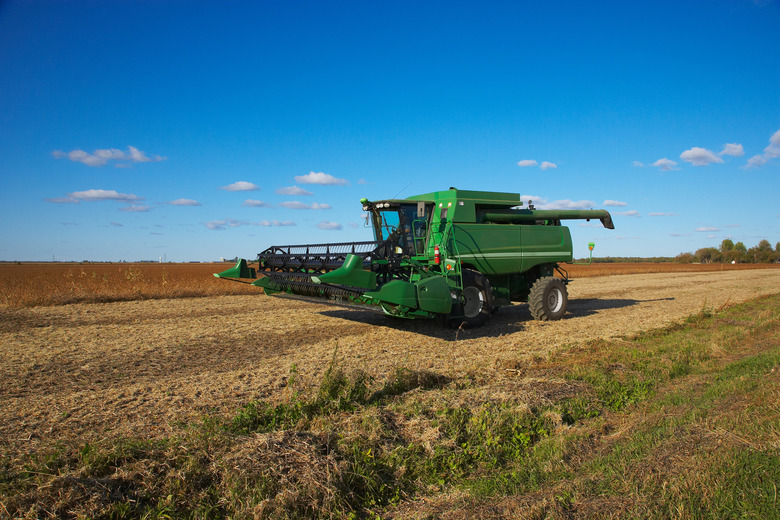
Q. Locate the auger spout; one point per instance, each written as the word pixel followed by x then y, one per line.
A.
pixel 528 215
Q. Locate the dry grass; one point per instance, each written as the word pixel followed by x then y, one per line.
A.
pixel 481 444
pixel 586 271
pixel 35 284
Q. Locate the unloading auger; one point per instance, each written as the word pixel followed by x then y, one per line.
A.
pixel 454 254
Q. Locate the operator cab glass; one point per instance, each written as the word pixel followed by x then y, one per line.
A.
pixel 408 222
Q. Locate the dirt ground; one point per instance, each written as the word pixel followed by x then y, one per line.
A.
pixel 143 368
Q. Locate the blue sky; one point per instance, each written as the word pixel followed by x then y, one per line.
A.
pixel 193 130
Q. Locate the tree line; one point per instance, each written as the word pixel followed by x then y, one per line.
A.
pixel 729 252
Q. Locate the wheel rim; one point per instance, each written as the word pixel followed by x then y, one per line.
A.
pixel 555 300
pixel 472 302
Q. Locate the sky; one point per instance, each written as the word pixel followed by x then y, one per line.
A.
pixel 190 131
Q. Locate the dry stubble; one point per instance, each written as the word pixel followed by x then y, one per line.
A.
pixel 127 369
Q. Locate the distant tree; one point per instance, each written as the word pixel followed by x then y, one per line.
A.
pixel 740 252
pixel 728 253
pixel 762 253
pixel 708 255
pixel 685 258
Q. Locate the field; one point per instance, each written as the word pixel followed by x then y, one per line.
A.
pixel 31 284
pixel 241 405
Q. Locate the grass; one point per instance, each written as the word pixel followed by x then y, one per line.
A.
pixel 675 423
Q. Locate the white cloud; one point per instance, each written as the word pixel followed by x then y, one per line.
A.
pixel 328 225
pixel 707 229
pixel 629 213
pixel 525 163
pixel 116 224
pixel 92 195
pixel 665 165
pixel 241 186
pixel 268 223
pixel 770 152
pixel 566 204
pixel 219 225
pixel 63 200
pixel 136 209
pixel 185 202
pixel 293 190
pixel 320 178
pixel 536 198
pixel 733 149
pixel 609 202
pixel 638 164
pixel 700 156
pixel 756 161
pixel 294 204
pixel 101 157
pixel 528 163
pixel 137 155
pixel 773 150
pixel 250 203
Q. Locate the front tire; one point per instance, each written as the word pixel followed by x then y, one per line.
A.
pixel 548 299
pixel 476 303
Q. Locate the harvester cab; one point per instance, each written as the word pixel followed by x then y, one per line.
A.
pixel 454 254
pixel 400 221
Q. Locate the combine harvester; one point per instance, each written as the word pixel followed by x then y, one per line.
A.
pixel 458 255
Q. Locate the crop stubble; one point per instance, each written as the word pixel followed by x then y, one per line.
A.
pixel 128 369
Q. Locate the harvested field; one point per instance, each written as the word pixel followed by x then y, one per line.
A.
pixel 88 372
pixel 33 284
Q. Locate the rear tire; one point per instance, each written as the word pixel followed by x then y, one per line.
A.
pixel 548 299
pixel 476 304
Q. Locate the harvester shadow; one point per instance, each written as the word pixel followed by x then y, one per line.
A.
pixel 501 324
pixel 589 306
pixel 508 320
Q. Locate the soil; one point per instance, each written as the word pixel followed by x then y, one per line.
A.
pixel 86 372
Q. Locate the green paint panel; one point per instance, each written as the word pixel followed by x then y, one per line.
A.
pixel 397 292
pixel 434 295
pixel 240 270
pixel 351 274
pixel 267 285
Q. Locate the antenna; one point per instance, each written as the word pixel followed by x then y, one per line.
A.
pixel 402 189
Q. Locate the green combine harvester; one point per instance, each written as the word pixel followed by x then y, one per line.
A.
pixel 457 255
